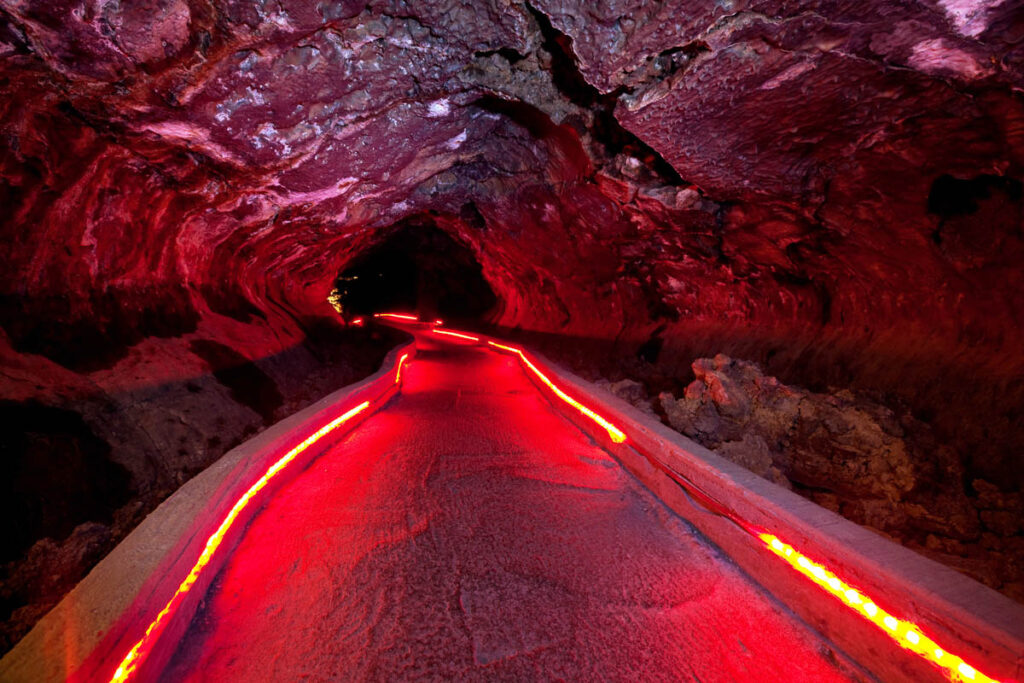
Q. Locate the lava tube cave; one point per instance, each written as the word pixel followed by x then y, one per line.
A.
pixel 512 340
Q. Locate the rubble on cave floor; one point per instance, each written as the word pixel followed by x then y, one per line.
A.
pixel 879 467
pixel 31 586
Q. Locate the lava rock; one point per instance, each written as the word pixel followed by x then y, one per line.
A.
pixel 33 586
pixel 856 457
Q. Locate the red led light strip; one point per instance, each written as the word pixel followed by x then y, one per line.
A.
pixel 456 334
pixel 397 316
pixel 616 434
pixel 129 665
pixel 398 371
pixel 906 634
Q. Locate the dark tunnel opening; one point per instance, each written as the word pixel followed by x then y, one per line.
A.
pixel 419 268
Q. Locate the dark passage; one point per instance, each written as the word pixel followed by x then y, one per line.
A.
pixel 417 267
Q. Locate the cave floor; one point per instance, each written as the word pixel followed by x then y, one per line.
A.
pixel 468 531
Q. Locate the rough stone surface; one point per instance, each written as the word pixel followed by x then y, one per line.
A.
pixel 48 571
pixel 830 189
pixel 629 390
pixel 858 458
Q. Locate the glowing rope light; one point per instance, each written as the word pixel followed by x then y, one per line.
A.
pixel 129 665
pixel 904 633
pixel 397 316
pixel 616 434
pixel 439 322
pixel 456 334
pixel 398 372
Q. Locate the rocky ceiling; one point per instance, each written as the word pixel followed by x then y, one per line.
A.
pixel 830 188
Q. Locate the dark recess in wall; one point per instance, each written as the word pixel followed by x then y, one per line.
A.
pixel 56 475
pixel 980 220
pixel 951 196
pixel 249 385
pixel 417 267
pixel 93 331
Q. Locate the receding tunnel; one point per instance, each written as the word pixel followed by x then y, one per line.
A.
pixel 416 267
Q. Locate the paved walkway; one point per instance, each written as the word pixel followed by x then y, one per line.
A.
pixel 470 532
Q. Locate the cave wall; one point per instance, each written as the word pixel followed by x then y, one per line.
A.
pixel 831 189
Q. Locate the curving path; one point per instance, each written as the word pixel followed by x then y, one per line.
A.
pixel 470 532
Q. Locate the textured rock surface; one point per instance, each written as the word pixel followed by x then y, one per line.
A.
pixel 860 459
pixel 831 189
pixel 629 390
pixel 48 571
pixel 108 445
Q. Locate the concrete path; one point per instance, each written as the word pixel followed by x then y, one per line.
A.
pixel 470 532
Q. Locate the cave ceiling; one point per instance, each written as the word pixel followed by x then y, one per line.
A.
pixel 809 170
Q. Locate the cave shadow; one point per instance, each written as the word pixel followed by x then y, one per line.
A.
pixel 417 267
